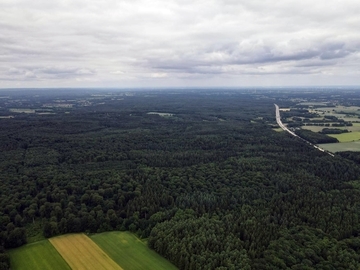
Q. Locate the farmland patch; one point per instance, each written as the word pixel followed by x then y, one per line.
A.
pixel 80 252
pixel 130 252
pixel 338 147
pixel 39 255
pixel 346 137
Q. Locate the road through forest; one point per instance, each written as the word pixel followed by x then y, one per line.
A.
pixel 278 120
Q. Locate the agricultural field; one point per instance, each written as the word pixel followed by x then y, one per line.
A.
pixel 130 252
pixel 80 252
pixel 347 137
pixel 350 114
pixel 348 141
pixel 40 255
pixel 354 127
pixel 338 147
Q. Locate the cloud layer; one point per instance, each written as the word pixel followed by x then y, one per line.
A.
pixel 178 43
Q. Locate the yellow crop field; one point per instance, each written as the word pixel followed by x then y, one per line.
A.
pixel 80 252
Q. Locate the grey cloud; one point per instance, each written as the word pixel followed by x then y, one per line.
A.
pixel 234 55
pixel 50 73
pixel 175 40
pixel 270 57
pixel 336 51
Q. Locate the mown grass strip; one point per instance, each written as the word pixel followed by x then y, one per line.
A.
pixel 130 252
pixel 40 255
pixel 80 252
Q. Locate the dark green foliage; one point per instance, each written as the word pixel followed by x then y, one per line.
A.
pixel 4 259
pixel 331 117
pixel 297 113
pixel 307 248
pixel 354 156
pixel 200 243
pixel 315 137
pixel 342 124
pixel 333 131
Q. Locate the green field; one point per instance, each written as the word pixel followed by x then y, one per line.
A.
pixel 338 147
pixel 354 127
pixel 130 252
pixel 39 255
pixel 347 137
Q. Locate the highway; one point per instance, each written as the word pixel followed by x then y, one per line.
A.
pixel 278 120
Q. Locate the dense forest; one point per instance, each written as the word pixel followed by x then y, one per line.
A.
pixel 207 181
pixel 315 137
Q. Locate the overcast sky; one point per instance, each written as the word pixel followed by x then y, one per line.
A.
pixel 136 43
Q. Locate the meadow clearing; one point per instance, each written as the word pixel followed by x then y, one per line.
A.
pixel 347 137
pixel 161 114
pixel 354 127
pixel 338 147
pixel 130 252
pixel 37 256
pixel 80 252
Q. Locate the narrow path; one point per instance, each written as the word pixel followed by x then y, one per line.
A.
pixel 278 120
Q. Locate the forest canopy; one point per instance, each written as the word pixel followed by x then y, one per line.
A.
pixel 204 177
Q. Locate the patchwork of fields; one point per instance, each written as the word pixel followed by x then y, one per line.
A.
pixel 347 141
pixel 111 250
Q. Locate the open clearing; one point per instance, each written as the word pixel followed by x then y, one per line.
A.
pixel 313 103
pixel 81 253
pixel 338 147
pixel 354 127
pixel 39 255
pixel 130 252
pixel 17 110
pixel 161 114
pixel 346 137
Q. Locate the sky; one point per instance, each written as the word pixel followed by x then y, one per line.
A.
pixel 172 43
